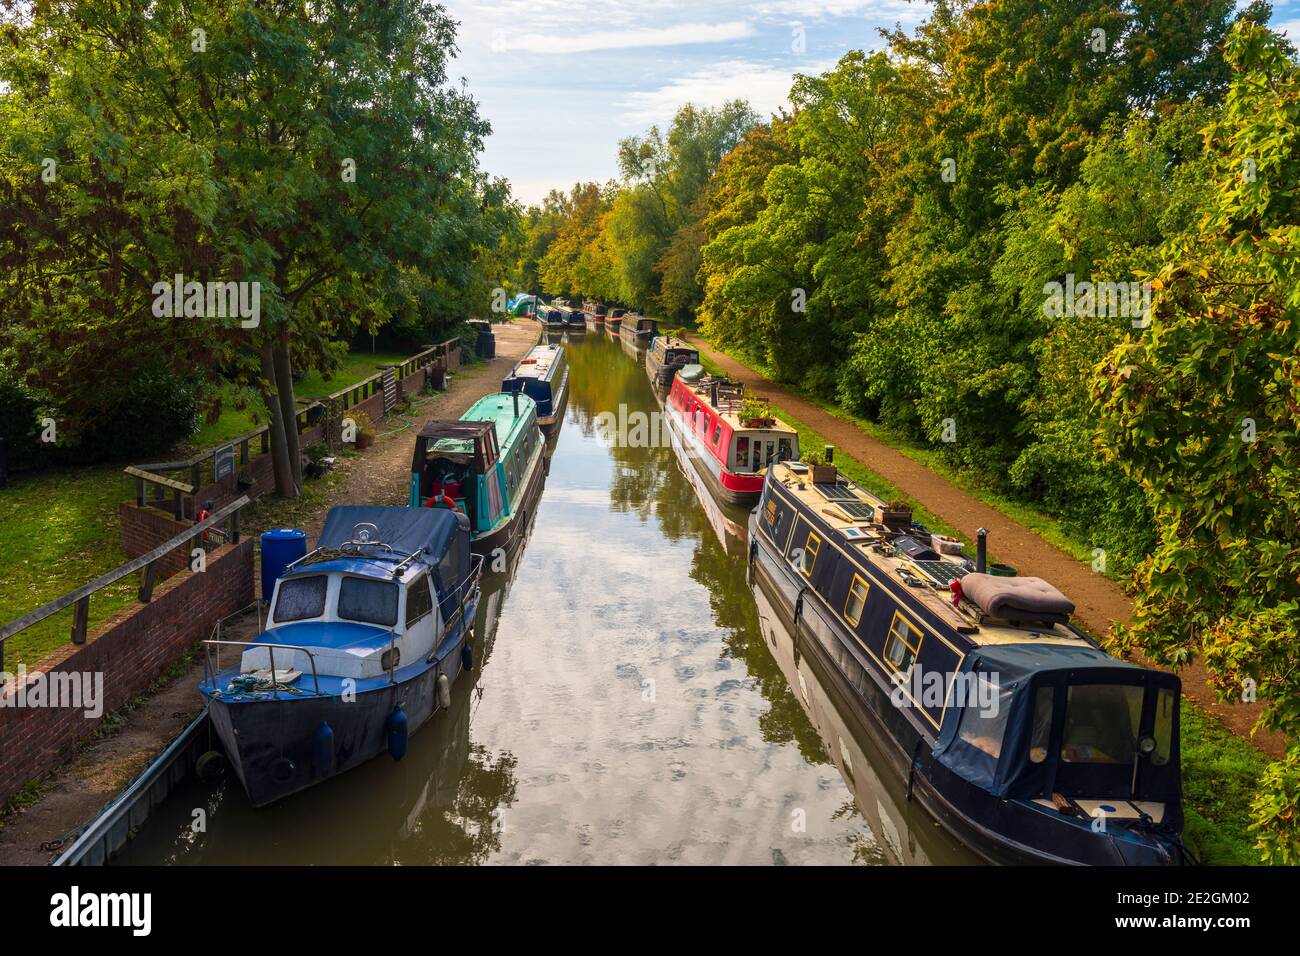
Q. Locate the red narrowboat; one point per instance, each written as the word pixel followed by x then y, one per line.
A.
pixel 732 440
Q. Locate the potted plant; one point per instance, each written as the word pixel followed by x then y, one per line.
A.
pixel 896 515
pixel 755 413
pixel 823 472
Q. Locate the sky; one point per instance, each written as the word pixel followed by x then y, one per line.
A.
pixel 562 81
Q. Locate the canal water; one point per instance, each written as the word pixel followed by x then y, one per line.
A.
pixel 636 702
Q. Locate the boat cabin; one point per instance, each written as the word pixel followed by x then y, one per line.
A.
pixel 455 466
pixel 667 356
pixel 550 316
pixel 374 595
pixel 745 437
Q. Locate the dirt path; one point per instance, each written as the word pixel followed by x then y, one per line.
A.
pixel 75 792
pixel 1099 601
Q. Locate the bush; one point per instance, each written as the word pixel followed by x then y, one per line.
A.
pixel 149 414
pixel 20 416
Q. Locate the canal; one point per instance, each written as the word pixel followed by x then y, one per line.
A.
pixel 635 702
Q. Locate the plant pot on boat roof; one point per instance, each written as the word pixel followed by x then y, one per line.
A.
pixel 755 413
pixel 823 470
pixel 896 515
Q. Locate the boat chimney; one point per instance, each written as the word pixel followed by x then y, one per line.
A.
pixel 516 397
pixel 981 550
pixel 830 454
pixel 713 394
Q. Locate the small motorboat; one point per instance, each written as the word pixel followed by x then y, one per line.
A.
pixel 366 636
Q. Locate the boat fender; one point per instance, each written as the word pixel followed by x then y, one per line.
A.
pixel 211 766
pixel 325 747
pixel 911 770
pixel 467 657
pixel 397 730
pixel 444 691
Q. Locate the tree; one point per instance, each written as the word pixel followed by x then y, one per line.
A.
pixel 1202 409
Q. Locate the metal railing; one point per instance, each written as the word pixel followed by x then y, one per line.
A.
pixel 147 563
pixel 210 676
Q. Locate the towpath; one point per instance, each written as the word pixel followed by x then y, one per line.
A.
pixel 1099 601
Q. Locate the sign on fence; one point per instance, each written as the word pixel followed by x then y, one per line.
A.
pixel 390 389
pixel 223 462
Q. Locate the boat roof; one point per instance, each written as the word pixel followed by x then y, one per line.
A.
pixel 849 511
pixel 377 540
pixel 498 408
pixel 731 397
pixel 673 342
pixel 539 363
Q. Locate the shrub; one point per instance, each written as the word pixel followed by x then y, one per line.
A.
pixel 20 415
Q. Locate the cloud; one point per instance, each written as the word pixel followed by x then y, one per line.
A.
pixel 1289 27
pixel 765 88
pixel 680 35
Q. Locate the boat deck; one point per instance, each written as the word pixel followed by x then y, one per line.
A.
pixel 850 510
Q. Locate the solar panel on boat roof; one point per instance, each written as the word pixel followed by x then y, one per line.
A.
pixel 835 492
pixel 941 572
pixel 856 509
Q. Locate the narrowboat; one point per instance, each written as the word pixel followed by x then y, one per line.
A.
pixel 729 438
pixel 488 465
pixel 366 636
pixel 573 318
pixel 666 356
pixel 523 306
pixel 638 329
pixel 594 313
pixel 550 318
pixel 542 375
pixel 1014 730
pixel 614 320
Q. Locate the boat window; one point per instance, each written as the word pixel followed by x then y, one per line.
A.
pixel 784 450
pixel 1041 733
pixel 856 601
pixel 717 434
pixel 772 513
pixel 984 729
pixel 301 598
pixel 1166 701
pixel 449 568
pixel 1101 723
pixel 903 643
pixel 418 601
pixel 742 452
pixel 808 557
pixel 368 601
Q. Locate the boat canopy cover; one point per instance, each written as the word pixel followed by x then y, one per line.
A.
pixel 1034 719
pixel 405 530
pixel 691 372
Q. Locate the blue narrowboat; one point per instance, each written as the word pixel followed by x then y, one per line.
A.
pixel 542 375
pixel 489 465
pixel 366 636
pixel 1013 729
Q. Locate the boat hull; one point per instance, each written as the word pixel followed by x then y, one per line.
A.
pixel 274 745
pixel 708 467
pixel 661 373
pixel 505 538
pixel 999 831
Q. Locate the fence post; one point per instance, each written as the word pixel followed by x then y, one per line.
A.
pixel 145 593
pixel 80 617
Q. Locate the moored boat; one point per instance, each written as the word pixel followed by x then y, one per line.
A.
pixel 573 318
pixel 488 464
pixel 551 318
pixel 594 313
pixel 666 356
pixel 542 375
pixel 731 439
pixel 614 320
pixel 638 329
pixel 365 637
pixel 1017 733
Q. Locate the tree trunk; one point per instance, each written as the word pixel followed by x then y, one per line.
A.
pixel 288 404
pixel 284 483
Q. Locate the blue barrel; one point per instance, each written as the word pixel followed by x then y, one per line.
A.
pixel 280 548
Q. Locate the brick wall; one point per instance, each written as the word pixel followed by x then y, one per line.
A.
pixel 130 650
pixel 143 529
